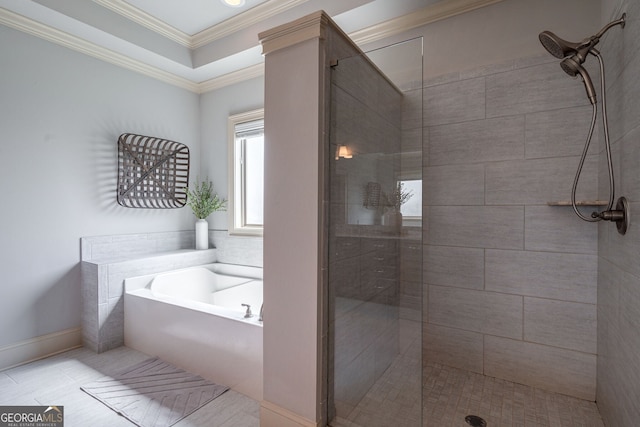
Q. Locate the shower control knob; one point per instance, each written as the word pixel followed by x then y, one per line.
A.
pixel 609 215
pixel 620 215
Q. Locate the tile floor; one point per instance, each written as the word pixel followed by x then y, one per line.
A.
pixel 449 395
pixel 393 401
pixel 56 381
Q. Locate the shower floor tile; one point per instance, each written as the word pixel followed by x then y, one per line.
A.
pixel 451 394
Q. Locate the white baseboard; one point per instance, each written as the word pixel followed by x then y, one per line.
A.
pixel 272 415
pixel 39 347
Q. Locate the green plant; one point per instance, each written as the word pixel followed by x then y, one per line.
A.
pixel 203 201
pixel 398 196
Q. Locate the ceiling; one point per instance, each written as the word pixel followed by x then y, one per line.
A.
pixel 202 44
pixel 192 16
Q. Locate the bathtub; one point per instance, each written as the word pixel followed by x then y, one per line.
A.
pixel 194 319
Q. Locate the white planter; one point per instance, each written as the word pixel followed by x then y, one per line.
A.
pixel 202 234
pixel 392 218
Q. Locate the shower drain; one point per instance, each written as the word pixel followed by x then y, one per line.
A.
pixel 475 421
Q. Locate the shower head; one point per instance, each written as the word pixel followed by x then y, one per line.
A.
pixel 561 48
pixel 556 46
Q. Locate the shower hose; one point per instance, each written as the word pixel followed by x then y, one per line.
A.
pixel 595 216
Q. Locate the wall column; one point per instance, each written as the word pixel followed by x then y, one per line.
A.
pixel 295 72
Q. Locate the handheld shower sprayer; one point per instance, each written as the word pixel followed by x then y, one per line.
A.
pixel 573 55
pixel 573 66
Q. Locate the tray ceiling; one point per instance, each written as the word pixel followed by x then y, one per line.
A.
pixel 204 44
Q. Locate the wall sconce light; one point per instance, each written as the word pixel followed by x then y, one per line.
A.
pixel 344 152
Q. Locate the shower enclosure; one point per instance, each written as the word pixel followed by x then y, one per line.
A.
pixel 375 239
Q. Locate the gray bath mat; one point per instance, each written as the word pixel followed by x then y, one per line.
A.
pixel 154 393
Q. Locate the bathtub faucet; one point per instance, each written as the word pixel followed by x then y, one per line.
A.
pixel 248 313
pixel 261 309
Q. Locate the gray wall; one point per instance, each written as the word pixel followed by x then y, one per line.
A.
pixel 503 31
pixel 61 113
pixel 215 108
pixel 618 391
pixel 511 281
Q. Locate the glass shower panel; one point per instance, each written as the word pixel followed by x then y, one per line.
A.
pixel 375 239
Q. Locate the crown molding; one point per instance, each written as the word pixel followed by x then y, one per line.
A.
pixel 232 78
pixel 151 22
pixel 244 20
pixel 29 26
pixel 435 12
pixel 302 29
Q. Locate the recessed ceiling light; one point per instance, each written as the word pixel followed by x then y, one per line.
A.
pixel 233 3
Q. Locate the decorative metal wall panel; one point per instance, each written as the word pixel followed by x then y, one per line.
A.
pixel 152 172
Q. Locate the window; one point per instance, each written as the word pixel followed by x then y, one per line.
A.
pixel 246 173
pixel 413 207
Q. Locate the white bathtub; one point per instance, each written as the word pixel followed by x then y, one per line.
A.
pixel 194 319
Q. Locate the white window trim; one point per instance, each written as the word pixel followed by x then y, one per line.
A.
pixel 235 190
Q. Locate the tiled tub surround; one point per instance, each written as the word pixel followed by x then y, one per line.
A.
pixel 509 282
pixel 241 250
pixel 108 260
pixel 111 259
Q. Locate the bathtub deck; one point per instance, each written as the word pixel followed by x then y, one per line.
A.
pixel 56 381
